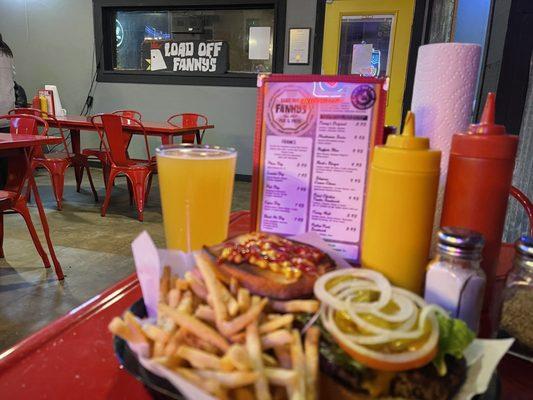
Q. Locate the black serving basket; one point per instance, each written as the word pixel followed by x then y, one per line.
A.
pixel 161 389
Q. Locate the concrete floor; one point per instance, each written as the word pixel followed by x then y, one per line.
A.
pixel 94 252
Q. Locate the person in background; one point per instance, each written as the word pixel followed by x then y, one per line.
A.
pixel 7 83
pixel 7 97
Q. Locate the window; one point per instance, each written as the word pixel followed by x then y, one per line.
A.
pixel 217 43
pixel 366 43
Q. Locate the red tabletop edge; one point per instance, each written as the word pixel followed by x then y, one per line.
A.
pixel 73 356
pixel 9 141
pixel 162 127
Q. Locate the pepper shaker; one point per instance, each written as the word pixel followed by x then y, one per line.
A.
pixel 517 316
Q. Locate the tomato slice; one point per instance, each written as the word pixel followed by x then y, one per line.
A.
pixel 388 364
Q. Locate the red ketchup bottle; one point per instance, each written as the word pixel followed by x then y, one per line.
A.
pixel 480 172
pixel 36 102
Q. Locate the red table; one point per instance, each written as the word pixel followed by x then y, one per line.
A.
pixel 9 141
pixel 75 353
pixel 164 130
pixel 19 149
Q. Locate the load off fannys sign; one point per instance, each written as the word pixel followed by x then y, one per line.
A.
pixel 193 56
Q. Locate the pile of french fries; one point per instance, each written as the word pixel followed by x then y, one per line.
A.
pixel 226 341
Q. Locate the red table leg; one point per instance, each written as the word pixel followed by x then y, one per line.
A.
pixel 76 150
pixel 167 139
pixel 42 215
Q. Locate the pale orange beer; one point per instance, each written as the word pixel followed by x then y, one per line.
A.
pixel 196 185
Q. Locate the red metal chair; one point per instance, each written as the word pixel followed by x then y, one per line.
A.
pixel 56 163
pixel 186 120
pixel 11 198
pixel 100 152
pixel 139 172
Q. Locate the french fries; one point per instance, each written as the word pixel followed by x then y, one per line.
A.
pixel 118 327
pixel 238 323
pixel 210 385
pixel 276 323
pixel 281 376
pixel 213 286
pixel 156 333
pixel 202 359
pixel 243 299
pixel 225 341
pixel 135 327
pixel 311 362
pixel 193 324
pixel 205 312
pixel 196 286
pixel 298 365
pixel 296 306
pixel 276 338
pixel 253 345
pixel 283 354
pixel 230 380
pixel 181 284
pixel 238 357
pixel 231 304
pixel 185 303
pixel 174 296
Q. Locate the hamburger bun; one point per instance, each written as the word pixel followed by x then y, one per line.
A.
pixel 281 283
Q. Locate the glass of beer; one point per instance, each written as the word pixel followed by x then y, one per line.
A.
pixel 196 185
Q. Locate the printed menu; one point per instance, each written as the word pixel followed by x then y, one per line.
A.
pixel 311 159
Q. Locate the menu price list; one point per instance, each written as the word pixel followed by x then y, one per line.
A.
pixel 314 178
pixel 338 180
pixel 286 184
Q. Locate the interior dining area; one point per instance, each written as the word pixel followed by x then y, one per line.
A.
pixel 266 199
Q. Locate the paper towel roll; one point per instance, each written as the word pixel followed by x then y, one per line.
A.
pixel 443 95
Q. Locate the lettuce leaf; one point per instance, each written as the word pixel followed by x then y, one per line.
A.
pixel 454 338
pixel 330 350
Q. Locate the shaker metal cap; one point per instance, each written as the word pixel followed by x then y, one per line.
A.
pixel 524 246
pixel 460 241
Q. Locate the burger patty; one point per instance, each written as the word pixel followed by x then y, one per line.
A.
pixel 425 383
pixel 418 384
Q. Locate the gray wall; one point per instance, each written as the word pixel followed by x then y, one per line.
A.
pixel 53 42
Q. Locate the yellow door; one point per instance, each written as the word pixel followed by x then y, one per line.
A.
pixel 371 38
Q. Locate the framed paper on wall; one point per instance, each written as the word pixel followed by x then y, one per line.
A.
pixel 299 44
pixel 313 142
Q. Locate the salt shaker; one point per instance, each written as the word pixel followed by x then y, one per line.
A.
pixel 454 279
pixel 517 316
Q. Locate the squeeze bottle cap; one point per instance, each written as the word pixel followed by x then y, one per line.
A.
pixel 407 139
pixel 485 139
pixel 487 126
pixel 407 152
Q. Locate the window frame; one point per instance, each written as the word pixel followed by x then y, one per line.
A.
pixel 102 10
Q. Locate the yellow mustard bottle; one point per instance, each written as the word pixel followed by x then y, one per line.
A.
pixel 399 208
pixel 44 105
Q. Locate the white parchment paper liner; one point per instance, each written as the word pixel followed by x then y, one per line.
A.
pixel 482 356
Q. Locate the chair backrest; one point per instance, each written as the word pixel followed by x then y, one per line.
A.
pixel 44 115
pixel 129 114
pixel 22 124
pixel 113 137
pixel 187 120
